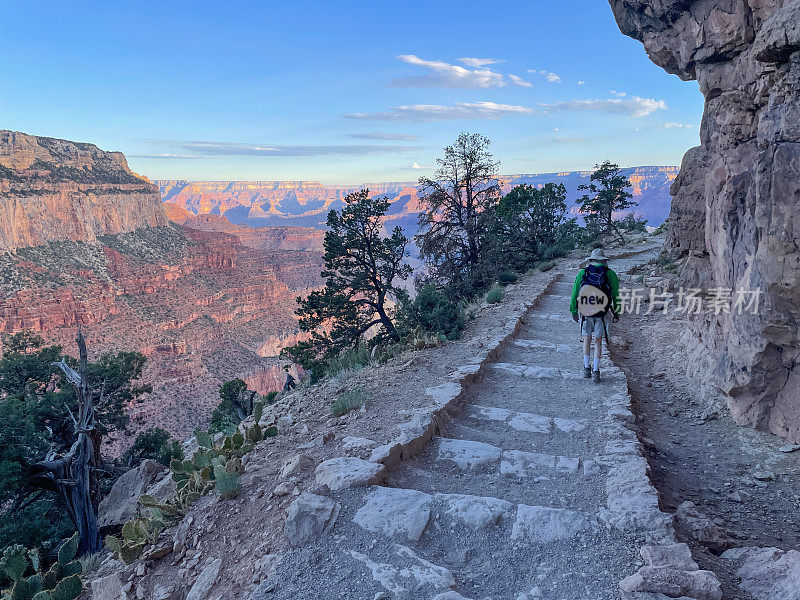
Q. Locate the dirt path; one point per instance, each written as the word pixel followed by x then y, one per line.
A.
pixel 525 494
pixel 744 488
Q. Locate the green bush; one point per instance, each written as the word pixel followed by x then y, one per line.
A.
pixel 349 360
pixel 507 277
pixel 546 266
pixel 348 401
pixel 631 223
pixel 495 295
pixel 433 311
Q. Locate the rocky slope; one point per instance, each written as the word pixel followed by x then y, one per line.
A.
pixel 272 238
pixel 93 246
pixel 740 186
pixel 264 203
pixel 55 190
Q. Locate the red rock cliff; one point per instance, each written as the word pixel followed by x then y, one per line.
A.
pixel 53 190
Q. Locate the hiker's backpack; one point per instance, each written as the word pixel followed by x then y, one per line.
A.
pixel 597 276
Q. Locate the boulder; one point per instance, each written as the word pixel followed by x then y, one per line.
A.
pixel 346 472
pixel 205 581
pixel 108 588
pixel 767 573
pixel 701 528
pixel 122 501
pixel 309 518
pixel 702 585
pixel 395 512
pixel 295 464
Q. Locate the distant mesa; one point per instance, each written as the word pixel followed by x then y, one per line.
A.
pixel 307 203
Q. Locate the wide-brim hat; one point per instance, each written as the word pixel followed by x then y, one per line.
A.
pixel 598 255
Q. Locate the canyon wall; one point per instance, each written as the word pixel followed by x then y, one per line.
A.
pixel 55 190
pixel 735 219
pixel 89 243
pixel 307 203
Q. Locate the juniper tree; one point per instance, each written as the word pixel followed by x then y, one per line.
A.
pixel 608 193
pixel 55 413
pixel 362 271
pixel 236 403
pixel 458 205
pixel 529 220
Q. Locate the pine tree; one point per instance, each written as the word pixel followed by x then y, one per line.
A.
pixel 362 270
pixel 458 208
pixel 609 195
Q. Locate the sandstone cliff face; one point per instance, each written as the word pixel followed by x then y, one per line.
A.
pixel 55 190
pixel 89 243
pixel 741 187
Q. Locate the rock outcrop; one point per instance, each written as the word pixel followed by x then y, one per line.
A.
pixel 84 241
pixel 53 190
pixel 740 188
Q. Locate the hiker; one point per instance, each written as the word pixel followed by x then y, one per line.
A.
pixel 290 381
pixel 594 293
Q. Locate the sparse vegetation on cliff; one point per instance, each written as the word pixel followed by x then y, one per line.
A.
pixel 362 270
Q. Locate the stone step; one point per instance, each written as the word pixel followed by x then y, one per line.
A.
pixel 472 455
pixel 405 514
pixel 612 373
pixel 525 421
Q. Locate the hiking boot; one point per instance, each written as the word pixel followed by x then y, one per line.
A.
pixel 595 375
pixel 587 372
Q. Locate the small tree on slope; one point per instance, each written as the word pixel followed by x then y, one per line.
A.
pixel 606 197
pixel 458 208
pixel 361 271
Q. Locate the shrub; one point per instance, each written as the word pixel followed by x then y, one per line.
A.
pixel 348 401
pixel 271 397
pixel 631 223
pixel 507 277
pixel 495 295
pixel 434 311
pixel 352 359
pixel 546 266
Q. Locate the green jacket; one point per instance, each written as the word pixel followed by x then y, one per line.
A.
pixel 613 281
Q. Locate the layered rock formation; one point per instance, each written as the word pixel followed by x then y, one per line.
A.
pixel 199 299
pixel 55 190
pixel 272 238
pixel 266 203
pixel 735 207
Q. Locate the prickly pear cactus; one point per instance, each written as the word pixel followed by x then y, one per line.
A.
pixel 61 582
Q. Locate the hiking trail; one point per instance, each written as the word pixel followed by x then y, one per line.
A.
pixel 536 488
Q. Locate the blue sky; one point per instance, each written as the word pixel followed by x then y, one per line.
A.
pixel 341 92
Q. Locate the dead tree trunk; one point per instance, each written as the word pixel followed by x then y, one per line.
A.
pixel 71 473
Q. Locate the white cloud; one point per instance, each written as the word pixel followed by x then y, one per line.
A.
pixel 440 112
pixel 551 77
pixel 448 76
pixel 629 107
pixel 479 62
pixel 165 156
pixel 673 125
pixel 519 81
pixel 204 148
pixel 581 83
pixel 418 167
pixel 382 135
pixel 617 94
